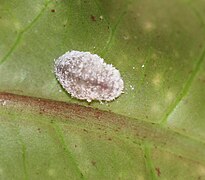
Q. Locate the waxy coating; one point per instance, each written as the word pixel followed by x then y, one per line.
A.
pixel 87 77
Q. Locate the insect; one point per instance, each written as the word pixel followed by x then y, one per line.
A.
pixel 87 77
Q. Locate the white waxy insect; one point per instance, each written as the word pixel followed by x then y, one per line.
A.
pixel 87 77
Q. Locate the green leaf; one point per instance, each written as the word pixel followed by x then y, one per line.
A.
pixel 155 130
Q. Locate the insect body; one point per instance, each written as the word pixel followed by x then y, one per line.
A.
pixel 87 77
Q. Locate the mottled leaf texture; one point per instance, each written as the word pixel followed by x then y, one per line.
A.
pixel 155 130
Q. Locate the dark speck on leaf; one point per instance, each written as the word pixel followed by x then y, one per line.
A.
pixel 93 18
pixel 93 163
pixel 53 10
pixel 39 130
pixel 158 36
pixel 158 171
pixel 200 45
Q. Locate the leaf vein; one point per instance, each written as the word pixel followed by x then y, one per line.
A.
pixel 22 32
pixel 111 36
pixel 148 161
pixel 189 82
pixel 112 28
pixel 185 89
pixel 65 147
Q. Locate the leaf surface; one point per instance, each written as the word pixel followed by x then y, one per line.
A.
pixel 155 130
